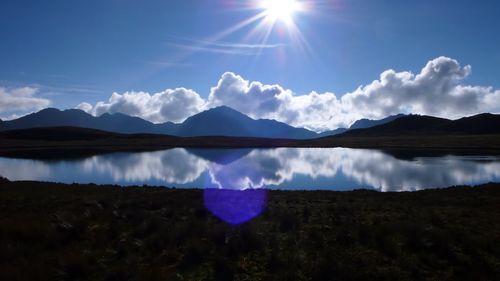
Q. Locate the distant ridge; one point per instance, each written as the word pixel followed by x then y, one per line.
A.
pixel 333 132
pixel 219 121
pixel 485 123
pixel 368 123
pixel 362 124
pixel 52 117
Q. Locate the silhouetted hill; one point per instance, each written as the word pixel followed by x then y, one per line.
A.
pixel 428 125
pixel 368 123
pixel 361 124
pixel 220 121
pixel 485 123
pixel 225 121
pixel 74 142
pixel 57 134
pixel 333 132
pixel 51 117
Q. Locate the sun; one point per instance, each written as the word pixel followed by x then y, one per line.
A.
pixel 280 10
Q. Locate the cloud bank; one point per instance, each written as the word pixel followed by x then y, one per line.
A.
pixel 438 89
pixel 15 100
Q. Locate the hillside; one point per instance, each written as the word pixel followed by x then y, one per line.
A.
pixel 219 121
pixel 427 125
pixel 225 121
pixel 361 124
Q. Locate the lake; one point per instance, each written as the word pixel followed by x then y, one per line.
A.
pixel 278 168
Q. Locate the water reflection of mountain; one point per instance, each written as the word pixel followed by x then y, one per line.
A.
pixel 286 168
pixel 220 156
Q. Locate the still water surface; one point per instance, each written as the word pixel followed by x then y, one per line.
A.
pixel 280 168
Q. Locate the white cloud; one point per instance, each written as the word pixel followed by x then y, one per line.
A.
pixel 220 47
pixel 85 106
pixel 170 105
pixel 313 111
pixel 437 90
pixel 19 100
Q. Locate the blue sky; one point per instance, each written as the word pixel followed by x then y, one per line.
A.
pixel 82 51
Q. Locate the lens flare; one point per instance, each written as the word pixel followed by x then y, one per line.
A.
pixel 235 206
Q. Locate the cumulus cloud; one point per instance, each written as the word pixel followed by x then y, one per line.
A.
pixel 437 90
pixel 313 111
pixel 85 106
pixel 17 100
pixel 173 105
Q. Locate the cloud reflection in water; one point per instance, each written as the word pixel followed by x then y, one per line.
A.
pixel 284 168
pixel 235 180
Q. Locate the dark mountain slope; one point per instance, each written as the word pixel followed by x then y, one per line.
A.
pixel 428 125
pixel 57 134
pixel 220 121
pixel 225 121
pixel 368 123
pixel 485 123
pixel 51 117
pixel 361 124
pixel 333 132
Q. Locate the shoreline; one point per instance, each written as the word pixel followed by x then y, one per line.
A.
pixel 6 183
pixel 36 150
pixel 60 141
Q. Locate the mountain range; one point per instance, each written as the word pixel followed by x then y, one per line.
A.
pixel 219 121
pixel 225 121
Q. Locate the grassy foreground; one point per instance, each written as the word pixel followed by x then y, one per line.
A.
pixel 86 232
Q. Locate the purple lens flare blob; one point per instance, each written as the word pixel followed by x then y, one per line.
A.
pixel 235 206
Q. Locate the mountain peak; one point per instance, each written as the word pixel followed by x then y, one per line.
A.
pixel 222 109
pixel 48 110
pixel 218 114
pixel 74 110
pixel 226 121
